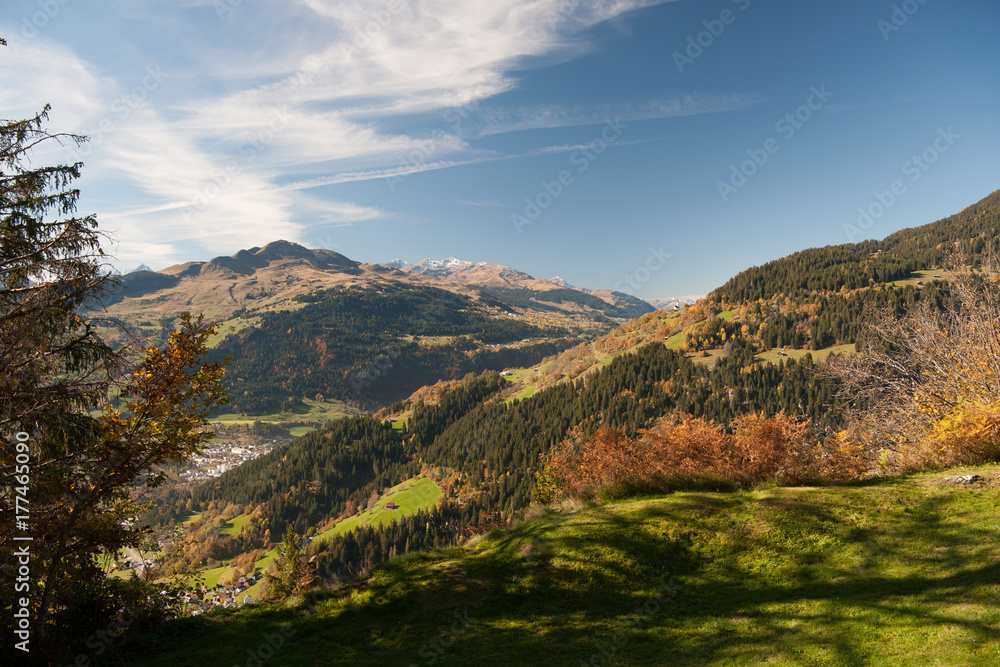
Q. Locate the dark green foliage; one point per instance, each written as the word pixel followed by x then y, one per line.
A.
pixel 818 269
pixel 356 345
pixel 839 319
pixel 429 421
pixel 974 231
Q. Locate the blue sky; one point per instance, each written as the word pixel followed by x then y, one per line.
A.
pixel 656 147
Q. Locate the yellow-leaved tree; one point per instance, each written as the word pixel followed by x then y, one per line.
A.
pixel 924 389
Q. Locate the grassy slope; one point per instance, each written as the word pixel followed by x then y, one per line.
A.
pixel 310 410
pixel 902 572
pixel 412 496
pixel 235 525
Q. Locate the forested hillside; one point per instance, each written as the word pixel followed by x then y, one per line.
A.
pixel 484 452
pixel 375 346
pixel 974 232
pixel 487 451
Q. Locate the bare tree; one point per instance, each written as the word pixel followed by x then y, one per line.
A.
pixel 924 389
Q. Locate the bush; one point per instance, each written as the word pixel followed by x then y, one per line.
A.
pixel 689 452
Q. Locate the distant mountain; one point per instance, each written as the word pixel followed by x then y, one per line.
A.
pixel 482 274
pixel 523 290
pixel 248 283
pixel 397 264
pixel 141 267
pixel 301 322
pixel 675 303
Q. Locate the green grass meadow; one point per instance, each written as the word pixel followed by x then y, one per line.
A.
pixel 310 411
pixel 412 496
pixel 896 572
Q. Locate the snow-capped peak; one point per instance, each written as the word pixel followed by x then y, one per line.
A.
pixel 398 264
pixel 446 263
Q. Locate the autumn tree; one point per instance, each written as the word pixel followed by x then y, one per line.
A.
pixel 87 462
pixel 925 386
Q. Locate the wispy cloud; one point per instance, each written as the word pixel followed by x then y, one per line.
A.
pixel 214 167
pixel 502 120
pixel 486 203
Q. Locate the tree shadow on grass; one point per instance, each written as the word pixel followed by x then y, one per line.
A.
pixel 809 578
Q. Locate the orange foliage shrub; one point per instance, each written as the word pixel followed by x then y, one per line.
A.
pixel 696 452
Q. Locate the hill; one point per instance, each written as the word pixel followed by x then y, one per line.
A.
pixel 973 231
pixel 819 300
pixel 483 450
pixel 304 323
pixel 486 441
pixel 900 572
pixel 486 438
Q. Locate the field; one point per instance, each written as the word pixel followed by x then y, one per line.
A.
pixel 707 360
pixel 527 392
pixel 527 379
pixel 309 411
pixel 411 496
pixel 232 326
pixel 919 276
pixel 896 572
pixel 817 355
pixel 235 525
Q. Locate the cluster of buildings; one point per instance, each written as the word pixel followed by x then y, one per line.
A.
pixel 223 595
pixel 220 457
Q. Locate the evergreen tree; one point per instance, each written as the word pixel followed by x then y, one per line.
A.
pixel 69 476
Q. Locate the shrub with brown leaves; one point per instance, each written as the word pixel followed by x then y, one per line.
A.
pixel 687 452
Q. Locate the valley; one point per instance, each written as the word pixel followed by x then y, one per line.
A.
pixel 782 339
pixel 507 332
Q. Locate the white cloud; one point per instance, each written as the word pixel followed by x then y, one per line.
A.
pixel 213 169
pixel 501 120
